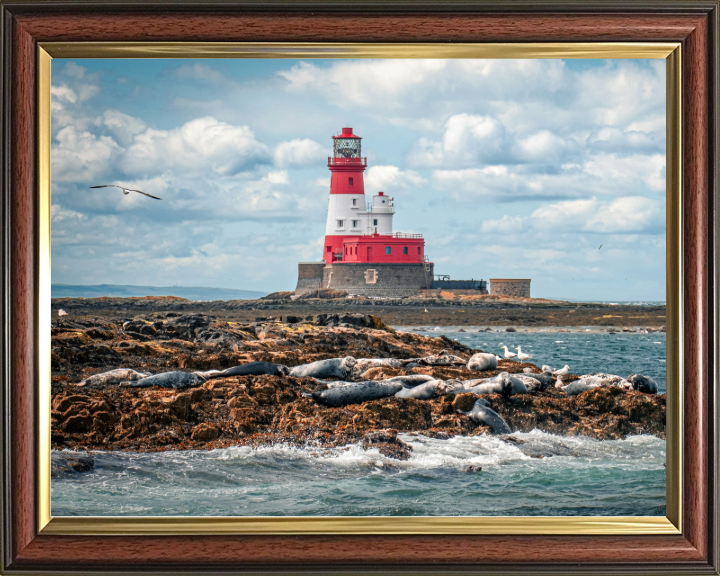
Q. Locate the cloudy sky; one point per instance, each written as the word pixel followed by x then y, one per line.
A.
pixel 510 168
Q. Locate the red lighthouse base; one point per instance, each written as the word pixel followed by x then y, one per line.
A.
pixel 396 248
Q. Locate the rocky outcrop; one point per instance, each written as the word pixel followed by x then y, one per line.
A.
pixel 259 409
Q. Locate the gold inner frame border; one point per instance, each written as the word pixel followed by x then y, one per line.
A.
pixel 289 525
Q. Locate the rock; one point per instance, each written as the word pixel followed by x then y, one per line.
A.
pixel 472 469
pixel 464 401
pixel 72 463
pixel 388 444
pixel 205 433
pixel 247 409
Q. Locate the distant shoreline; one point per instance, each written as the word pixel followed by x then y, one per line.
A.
pixel 194 293
pixel 408 312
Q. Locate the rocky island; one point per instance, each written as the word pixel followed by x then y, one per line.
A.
pixel 91 414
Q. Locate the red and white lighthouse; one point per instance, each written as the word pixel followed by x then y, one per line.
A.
pixel 347 193
pixel 357 231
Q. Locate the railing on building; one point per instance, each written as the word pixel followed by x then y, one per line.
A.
pixel 405 235
pixel 333 161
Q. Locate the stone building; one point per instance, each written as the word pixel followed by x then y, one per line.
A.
pixel 510 287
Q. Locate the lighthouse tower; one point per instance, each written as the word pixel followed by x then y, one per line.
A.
pixel 346 206
pixel 362 255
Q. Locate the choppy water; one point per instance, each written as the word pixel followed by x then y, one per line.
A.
pixel 577 476
pixel 622 353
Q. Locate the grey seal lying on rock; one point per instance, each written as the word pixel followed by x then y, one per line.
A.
pixel 431 389
pixel 254 369
pixel 354 393
pixel 177 380
pixel 443 358
pixel 332 368
pixel 483 414
pixel 482 361
pixel 411 380
pixel 642 383
pixel 498 385
pixel 113 377
pixel 536 382
pixel 362 364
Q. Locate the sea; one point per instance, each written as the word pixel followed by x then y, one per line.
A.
pixel 576 476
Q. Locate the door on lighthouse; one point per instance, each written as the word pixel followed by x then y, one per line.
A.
pixel 369 254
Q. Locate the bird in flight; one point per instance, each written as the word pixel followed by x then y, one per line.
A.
pixel 600 246
pixel 125 190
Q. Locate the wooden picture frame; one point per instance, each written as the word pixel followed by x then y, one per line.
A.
pixel 28 547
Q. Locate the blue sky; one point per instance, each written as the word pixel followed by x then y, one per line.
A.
pixel 510 168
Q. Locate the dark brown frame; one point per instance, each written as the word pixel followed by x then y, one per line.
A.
pixel 693 23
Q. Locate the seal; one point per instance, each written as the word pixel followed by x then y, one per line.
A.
pixel 486 416
pixel 177 380
pixel 363 364
pixel 253 369
pixel 499 385
pixel 411 380
pixel 482 361
pixel 332 368
pixel 426 391
pixel 642 383
pixel 113 377
pixel 431 389
pixel 537 382
pixel 354 393
pixel 443 358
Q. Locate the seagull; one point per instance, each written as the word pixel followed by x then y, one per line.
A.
pixel 62 312
pixel 521 355
pixel 559 383
pixel 426 311
pixel 600 246
pixel 562 371
pixel 125 190
pixel 546 368
pixel 508 354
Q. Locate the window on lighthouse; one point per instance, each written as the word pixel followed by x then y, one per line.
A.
pixel 354 199
pixel 340 223
pixel 374 222
pixel 350 181
pixel 404 249
pixel 387 249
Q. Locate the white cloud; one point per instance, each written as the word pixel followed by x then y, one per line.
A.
pixel 204 145
pixel 467 140
pixel 350 83
pixel 80 156
pixel 197 71
pixel 63 93
pixel 299 153
pixel 122 126
pixel 626 215
pixel 391 179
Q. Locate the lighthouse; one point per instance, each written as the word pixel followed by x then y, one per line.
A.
pixel 346 206
pixel 362 254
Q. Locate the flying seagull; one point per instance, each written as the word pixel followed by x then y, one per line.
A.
pixel 125 190
pixel 600 246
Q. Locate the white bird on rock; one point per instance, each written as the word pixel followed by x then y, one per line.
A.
pixel 546 368
pixel 62 312
pixel 562 371
pixel 125 190
pixel 559 383
pixel 508 354
pixel 521 355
